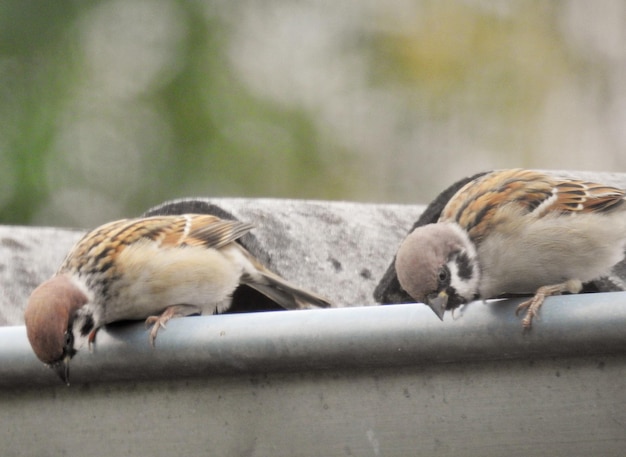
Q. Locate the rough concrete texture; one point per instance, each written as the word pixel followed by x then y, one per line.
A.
pixel 28 256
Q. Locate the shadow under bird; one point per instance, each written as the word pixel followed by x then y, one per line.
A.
pixel 514 232
pixel 153 268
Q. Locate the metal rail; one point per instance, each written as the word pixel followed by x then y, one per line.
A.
pixel 360 337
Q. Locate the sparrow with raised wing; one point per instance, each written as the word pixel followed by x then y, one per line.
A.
pixel 514 232
pixel 153 268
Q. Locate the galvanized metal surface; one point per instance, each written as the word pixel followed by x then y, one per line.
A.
pixel 361 381
pixel 330 339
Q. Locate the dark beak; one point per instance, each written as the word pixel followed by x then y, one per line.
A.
pixel 62 369
pixel 438 302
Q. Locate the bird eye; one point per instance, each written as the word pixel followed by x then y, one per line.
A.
pixel 443 276
pixel 69 339
pixel 68 348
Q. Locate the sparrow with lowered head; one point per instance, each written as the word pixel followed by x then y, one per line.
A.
pixel 514 232
pixel 153 268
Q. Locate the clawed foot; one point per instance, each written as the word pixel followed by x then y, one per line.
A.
pixel 532 305
pixel 532 308
pixel 158 322
pixel 92 338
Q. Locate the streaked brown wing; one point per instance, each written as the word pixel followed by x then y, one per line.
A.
pixel 478 206
pixel 211 231
pixel 585 197
pixel 97 249
pixel 475 207
pixel 190 230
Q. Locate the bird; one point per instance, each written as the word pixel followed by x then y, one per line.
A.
pixel 514 232
pixel 153 268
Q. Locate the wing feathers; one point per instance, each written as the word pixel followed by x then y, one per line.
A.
pixel 477 207
pixel 282 292
pixel 188 229
pixel 587 197
pixel 217 233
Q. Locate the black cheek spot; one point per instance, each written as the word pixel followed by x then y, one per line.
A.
pixel 465 267
pixel 454 299
pixel 87 325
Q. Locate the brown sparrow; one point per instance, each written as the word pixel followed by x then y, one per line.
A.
pixel 514 232
pixel 153 268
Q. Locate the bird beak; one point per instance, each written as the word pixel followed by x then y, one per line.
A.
pixel 438 302
pixel 62 369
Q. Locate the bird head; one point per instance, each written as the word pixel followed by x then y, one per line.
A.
pixel 436 264
pixel 49 317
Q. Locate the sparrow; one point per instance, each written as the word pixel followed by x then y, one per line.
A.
pixel 153 268
pixel 514 232
pixel 388 290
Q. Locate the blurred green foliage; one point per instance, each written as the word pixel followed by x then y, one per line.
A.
pixel 216 138
pixel 109 107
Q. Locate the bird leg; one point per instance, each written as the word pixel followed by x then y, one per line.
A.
pixel 170 312
pixel 92 338
pixel 532 305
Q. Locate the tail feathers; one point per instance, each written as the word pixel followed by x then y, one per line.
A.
pixel 282 292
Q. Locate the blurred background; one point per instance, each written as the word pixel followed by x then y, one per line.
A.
pixel 110 107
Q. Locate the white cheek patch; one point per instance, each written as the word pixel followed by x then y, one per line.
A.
pixel 465 287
